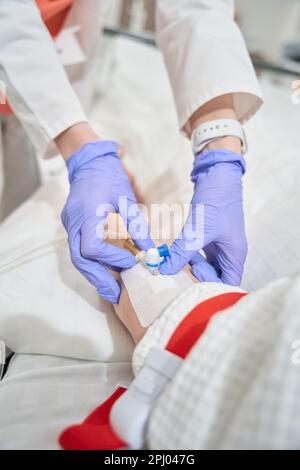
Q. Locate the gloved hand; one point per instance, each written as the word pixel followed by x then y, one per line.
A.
pixel 215 222
pixel 98 186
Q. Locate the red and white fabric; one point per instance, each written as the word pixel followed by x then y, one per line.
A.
pixel 98 430
pixel 239 387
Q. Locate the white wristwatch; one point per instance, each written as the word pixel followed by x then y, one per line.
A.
pixel 214 130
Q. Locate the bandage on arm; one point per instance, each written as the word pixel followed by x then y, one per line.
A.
pixel 128 316
pixel 144 297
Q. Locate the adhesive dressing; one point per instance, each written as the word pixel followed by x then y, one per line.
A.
pixel 150 295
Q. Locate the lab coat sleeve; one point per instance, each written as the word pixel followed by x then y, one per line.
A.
pixel 205 56
pixel 37 86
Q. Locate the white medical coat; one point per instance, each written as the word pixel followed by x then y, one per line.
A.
pixel 204 52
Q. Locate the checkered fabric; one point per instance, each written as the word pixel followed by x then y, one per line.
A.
pixel 240 385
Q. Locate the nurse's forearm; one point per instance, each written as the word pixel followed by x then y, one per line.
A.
pixel 221 107
pixel 75 137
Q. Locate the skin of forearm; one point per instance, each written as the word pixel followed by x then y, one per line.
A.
pixel 126 313
pixel 221 107
pixel 73 138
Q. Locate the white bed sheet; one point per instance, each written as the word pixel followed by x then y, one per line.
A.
pixel 41 395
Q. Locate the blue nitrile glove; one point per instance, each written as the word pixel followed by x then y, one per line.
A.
pixel 215 222
pixel 97 181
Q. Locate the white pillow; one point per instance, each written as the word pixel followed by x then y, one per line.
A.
pixel 46 306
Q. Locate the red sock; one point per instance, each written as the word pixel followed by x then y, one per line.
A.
pixel 95 432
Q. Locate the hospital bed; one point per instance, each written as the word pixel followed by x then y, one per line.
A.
pixel 41 393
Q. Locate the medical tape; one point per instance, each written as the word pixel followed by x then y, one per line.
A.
pixel 150 295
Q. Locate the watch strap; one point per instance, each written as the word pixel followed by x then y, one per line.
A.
pixel 217 129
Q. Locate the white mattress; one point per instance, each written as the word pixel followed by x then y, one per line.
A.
pixel 41 395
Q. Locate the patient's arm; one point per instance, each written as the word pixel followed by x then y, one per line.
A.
pixel 116 235
pixel 127 314
pixel 125 309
